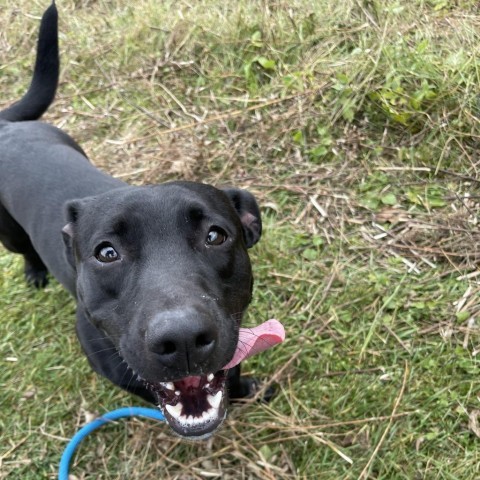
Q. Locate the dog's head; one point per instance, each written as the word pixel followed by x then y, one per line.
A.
pixel 164 273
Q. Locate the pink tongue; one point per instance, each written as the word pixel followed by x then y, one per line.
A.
pixel 257 339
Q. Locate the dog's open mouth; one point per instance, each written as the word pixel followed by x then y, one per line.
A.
pixel 195 406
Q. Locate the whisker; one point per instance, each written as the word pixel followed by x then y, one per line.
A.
pixel 101 350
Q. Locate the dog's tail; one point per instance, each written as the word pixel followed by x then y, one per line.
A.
pixel 42 90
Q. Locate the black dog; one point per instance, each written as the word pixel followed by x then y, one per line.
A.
pixel 161 274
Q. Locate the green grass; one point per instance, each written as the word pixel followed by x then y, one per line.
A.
pixel 356 126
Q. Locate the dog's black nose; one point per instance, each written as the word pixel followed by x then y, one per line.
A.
pixel 182 338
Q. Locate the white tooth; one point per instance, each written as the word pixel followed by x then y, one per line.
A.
pixel 177 392
pixel 174 411
pixel 210 377
pixel 207 416
pixel 168 385
pixel 182 420
pixel 215 400
pixel 211 414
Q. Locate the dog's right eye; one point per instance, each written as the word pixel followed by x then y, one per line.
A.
pixel 106 254
pixel 216 236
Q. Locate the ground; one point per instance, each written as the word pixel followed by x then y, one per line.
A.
pixel 355 124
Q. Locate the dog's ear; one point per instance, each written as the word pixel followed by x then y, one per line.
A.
pixel 249 213
pixel 72 211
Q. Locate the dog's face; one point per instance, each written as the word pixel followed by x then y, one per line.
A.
pixel 164 273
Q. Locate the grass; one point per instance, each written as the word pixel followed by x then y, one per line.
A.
pixel 356 125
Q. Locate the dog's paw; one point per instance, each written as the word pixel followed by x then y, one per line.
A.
pixel 37 278
pixel 248 387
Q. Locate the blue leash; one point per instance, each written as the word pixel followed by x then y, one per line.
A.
pixel 97 423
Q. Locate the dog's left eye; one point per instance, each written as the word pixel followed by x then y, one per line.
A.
pixel 216 236
pixel 106 254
